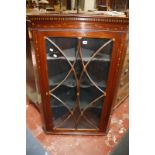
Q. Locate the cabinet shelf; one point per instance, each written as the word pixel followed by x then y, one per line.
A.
pixel 54 81
pixel 57 106
pixel 71 56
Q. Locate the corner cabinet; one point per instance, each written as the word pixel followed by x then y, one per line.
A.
pixel 78 59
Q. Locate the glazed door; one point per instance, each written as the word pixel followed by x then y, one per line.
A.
pixel 78 69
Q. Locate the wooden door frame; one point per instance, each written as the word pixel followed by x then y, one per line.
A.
pixel 45 106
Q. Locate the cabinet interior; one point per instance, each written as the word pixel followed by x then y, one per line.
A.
pixel 77 76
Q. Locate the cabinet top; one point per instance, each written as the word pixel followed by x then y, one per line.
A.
pixel 90 17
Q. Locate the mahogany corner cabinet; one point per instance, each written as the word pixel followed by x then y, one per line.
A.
pixel 76 61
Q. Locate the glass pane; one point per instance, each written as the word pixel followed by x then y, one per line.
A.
pixel 77 73
pixel 58 66
pixel 96 56
pixel 68 47
pixel 99 59
pixel 67 94
pixel 93 112
pixel 91 115
pixel 98 67
pixel 59 112
pixel 84 124
pixel 87 95
pixel 61 54
pixel 90 46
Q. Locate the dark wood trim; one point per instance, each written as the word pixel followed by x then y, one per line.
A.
pixel 125 41
pixel 108 100
pixel 84 23
pixel 75 132
pixel 30 69
pixel 43 80
pixel 84 18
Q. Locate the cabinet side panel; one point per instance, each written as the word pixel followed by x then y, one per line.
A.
pixel 31 90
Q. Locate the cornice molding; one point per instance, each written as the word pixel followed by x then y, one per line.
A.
pixel 118 20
